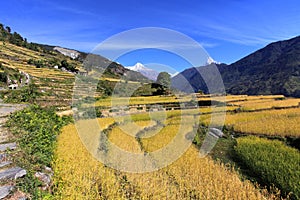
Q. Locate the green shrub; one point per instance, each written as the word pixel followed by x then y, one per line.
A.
pixel 272 161
pixel 26 94
pixel 36 130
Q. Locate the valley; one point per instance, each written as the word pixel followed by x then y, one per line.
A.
pixel 78 109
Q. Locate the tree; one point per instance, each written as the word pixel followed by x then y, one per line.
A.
pixel 200 92
pixel 64 64
pixel 8 29
pixel 16 39
pixel 67 66
pixel 164 80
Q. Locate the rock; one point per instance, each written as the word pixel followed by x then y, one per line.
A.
pixel 216 132
pixel 3 157
pixel 44 178
pixel 7 109
pixel 5 191
pixel 4 164
pixel 10 146
pixel 21 173
pixel 49 169
pixel 12 173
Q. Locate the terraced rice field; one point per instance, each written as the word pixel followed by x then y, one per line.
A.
pixel 55 85
pixel 80 176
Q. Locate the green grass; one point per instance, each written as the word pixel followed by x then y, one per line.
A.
pixel 272 161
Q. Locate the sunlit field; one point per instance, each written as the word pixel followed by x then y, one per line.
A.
pixel 267 104
pixel 283 122
pixel 80 176
pixel 119 101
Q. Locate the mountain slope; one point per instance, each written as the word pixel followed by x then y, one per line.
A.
pixel 109 68
pixel 274 69
pixel 48 69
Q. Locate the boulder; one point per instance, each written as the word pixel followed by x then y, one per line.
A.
pixel 12 173
pixel 5 191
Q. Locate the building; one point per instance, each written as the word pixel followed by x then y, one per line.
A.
pixel 13 86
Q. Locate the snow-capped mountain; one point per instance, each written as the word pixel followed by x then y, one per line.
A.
pixel 175 74
pixel 147 72
pixel 210 60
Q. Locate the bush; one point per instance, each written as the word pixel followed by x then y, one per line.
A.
pixel 26 94
pixel 3 77
pixel 272 161
pixel 36 130
pixel 37 63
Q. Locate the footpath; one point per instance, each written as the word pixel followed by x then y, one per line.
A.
pixel 9 172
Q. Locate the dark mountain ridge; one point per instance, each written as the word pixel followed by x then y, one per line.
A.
pixel 274 69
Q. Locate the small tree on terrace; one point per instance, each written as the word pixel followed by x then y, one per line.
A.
pixel 164 79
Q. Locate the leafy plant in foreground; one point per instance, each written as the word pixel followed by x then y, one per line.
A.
pixel 273 161
pixel 36 130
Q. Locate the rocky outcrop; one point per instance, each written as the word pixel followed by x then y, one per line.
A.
pixel 67 52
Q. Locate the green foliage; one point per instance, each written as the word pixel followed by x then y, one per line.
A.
pixel 144 90
pixel 31 185
pixel 164 79
pixel 273 161
pixel 164 82
pixel 3 74
pixel 15 38
pixel 12 73
pixel 200 92
pixel 37 63
pixel 3 77
pixel 67 66
pixel 200 135
pixel 51 63
pixel 26 94
pixel 123 88
pixel 36 130
pixel 106 87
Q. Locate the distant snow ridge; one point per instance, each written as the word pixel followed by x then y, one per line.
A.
pixel 149 73
pixel 210 60
pixel 175 74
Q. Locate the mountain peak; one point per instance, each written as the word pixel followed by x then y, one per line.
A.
pixel 138 66
pixel 210 60
pixel 147 72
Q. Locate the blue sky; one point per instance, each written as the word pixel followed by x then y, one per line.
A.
pixel 227 29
